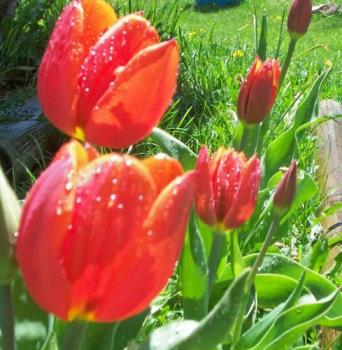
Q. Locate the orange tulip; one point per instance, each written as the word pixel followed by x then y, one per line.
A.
pixel 259 91
pixel 103 80
pixel 228 187
pixel 100 235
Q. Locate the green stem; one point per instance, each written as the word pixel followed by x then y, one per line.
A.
pixel 235 254
pixel 74 335
pixel 214 257
pixel 249 139
pixel 7 317
pixel 268 240
pixel 287 62
pixel 250 280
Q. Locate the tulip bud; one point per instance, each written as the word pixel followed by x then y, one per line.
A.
pixel 286 189
pixel 9 220
pixel 299 18
pixel 258 92
pixel 227 188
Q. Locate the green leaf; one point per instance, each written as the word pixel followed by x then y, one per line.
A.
pixel 262 48
pixel 256 333
pixel 317 285
pixel 207 334
pixel 281 150
pixel 317 255
pixel 293 323
pixel 9 221
pixel 127 330
pixel 174 148
pixel 194 273
pixel 99 336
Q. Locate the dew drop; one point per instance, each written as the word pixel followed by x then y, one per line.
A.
pixel 69 227
pixel 59 211
pixel 112 197
pixel 120 206
pixel 68 186
pixel 114 181
pixel 175 191
pixel 78 200
pixel 140 197
pixel 98 199
pixel 128 162
pixel 86 90
pixel 149 233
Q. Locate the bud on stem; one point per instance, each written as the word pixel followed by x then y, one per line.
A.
pixel 286 189
pixel 299 18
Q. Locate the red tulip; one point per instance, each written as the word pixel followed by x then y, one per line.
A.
pixel 105 81
pixel 228 187
pixel 299 18
pixel 100 235
pixel 259 91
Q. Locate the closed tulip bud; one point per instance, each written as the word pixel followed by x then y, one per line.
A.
pixel 9 221
pixel 227 188
pixel 299 18
pixel 100 235
pixel 259 91
pixel 105 80
pixel 286 189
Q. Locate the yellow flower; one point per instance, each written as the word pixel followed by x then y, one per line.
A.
pixel 238 54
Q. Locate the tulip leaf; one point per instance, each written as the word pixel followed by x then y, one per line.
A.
pixel 281 150
pixel 127 330
pixel 236 140
pixel 208 333
pixel 274 264
pixel 9 221
pixel 194 273
pixel 174 148
pixel 256 333
pixel 262 48
pixel 294 322
pixel 99 336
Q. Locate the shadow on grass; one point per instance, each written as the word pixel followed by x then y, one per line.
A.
pixel 215 7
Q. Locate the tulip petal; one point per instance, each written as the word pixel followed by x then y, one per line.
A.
pixel 245 198
pixel 262 89
pixel 98 17
pixel 59 69
pixel 46 216
pixel 205 204
pixel 143 89
pixel 150 260
pixel 113 198
pixel 226 180
pixel 112 52
pixel 163 170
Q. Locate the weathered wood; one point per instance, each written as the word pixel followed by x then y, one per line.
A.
pixel 25 147
pixel 330 157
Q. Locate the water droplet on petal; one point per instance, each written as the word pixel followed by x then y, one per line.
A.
pixel 120 206
pixel 68 186
pixel 69 227
pixel 98 199
pixel 59 211
pixel 140 197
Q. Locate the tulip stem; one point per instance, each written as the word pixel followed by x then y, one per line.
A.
pixel 74 335
pixel 250 280
pixel 285 67
pixel 214 257
pixel 235 254
pixel 7 317
pixel 249 139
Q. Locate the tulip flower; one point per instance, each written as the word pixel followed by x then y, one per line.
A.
pixel 258 92
pixel 228 187
pixel 105 80
pixel 286 189
pixel 100 235
pixel 299 18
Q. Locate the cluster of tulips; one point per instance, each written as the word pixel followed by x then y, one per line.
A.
pixel 100 235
